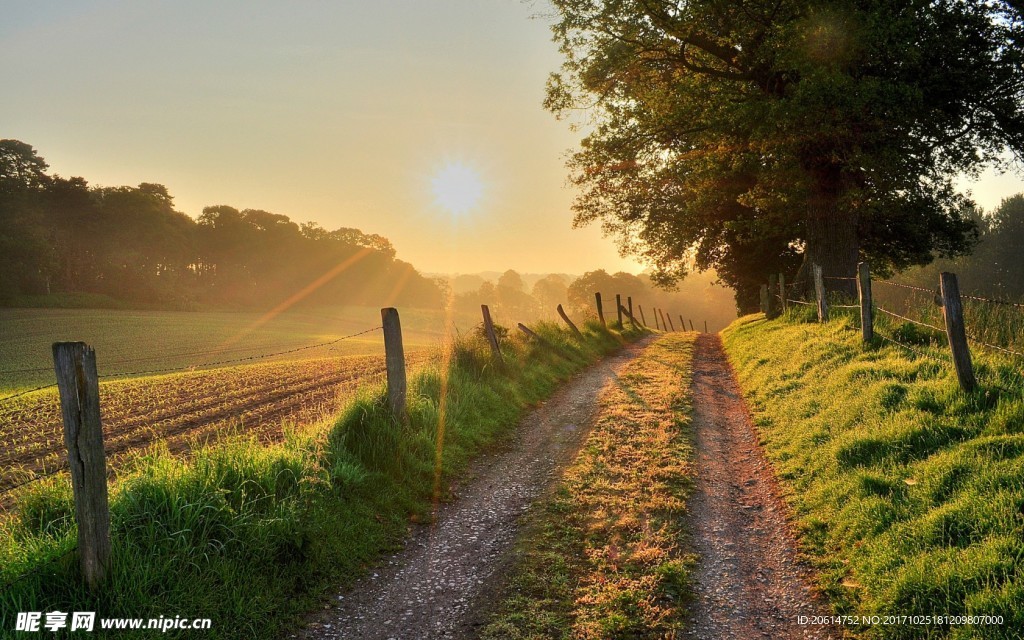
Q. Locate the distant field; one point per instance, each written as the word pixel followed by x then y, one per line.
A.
pixel 131 343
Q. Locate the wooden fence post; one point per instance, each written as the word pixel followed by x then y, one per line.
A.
pixel 618 308
pixel 394 359
pixel 629 307
pixel 492 338
pixel 819 289
pixel 671 324
pixel 771 311
pixel 682 323
pixel 664 325
pixel 764 299
pixel 953 313
pixel 78 384
pixel 525 329
pixel 629 315
pixel 705 326
pixel 782 292
pixel 643 320
pixel 655 312
pixel 600 308
pixel 691 325
pixel 867 326
pixel 575 330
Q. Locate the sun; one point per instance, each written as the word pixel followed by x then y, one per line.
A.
pixel 457 188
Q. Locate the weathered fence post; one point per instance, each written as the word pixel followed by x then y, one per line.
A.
pixel 671 324
pixel 600 308
pixel 691 325
pixel 656 325
pixel 953 312
pixel 394 360
pixel 682 323
pixel 75 366
pixel 782 292
pixel 867 326
pixel 629 307
pixel 540 340
pixel 643 320
pixel 771 309
pixel 705 326
pixel 618 308
pixel 664 325
pixel 764 299
pixel 819 289
pixel 572 326
pixel 492 338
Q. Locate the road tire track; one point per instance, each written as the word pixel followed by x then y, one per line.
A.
pixel 749 583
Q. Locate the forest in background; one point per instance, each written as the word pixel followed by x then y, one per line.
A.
pixel 66 243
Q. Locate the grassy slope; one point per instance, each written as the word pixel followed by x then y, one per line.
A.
pixel 600 558
pixel 250 536
pixel 910 493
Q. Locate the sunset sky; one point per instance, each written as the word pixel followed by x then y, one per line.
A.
pixel 420 120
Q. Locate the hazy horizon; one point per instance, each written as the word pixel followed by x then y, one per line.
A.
pixel 421 122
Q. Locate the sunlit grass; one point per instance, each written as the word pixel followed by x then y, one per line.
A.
pixel 909 492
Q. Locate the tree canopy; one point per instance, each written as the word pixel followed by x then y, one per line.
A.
pixel 759 136
pixel 60 235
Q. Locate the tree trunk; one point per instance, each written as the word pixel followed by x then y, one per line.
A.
pixel 831 237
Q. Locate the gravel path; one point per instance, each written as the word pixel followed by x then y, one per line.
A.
pixel 448 570
pixel 749 583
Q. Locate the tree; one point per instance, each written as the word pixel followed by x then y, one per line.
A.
pixel 794 131
pixel 550 291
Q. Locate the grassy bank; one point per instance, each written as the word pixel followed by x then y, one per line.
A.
pixel 250 535
pixel 909 492
pixel 601 556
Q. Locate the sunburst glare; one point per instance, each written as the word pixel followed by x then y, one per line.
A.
pixel 457 188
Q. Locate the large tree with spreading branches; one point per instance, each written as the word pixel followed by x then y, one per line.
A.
pixel 756 136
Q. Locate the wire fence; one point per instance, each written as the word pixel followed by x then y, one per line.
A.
pixel 226 401
pixel 190 367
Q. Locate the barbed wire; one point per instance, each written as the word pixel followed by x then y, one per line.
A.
pixel 994 301
pixel 904 286
pixel 27 391
pixel 910 348
pixel 810 304
pixel 38 568
pixel 898 316
pixel 992 346
pixel 125 374
pixel 838 278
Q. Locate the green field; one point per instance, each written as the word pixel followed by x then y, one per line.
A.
pixel 139 341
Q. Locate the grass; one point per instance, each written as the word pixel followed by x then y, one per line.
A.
pixel 252 536
pixel 908 491
pixel 601 556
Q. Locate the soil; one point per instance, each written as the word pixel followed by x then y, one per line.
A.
pixel 750 582
pixel 439 585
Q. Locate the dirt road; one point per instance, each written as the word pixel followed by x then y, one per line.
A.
pixel 445 574
pixel 749 583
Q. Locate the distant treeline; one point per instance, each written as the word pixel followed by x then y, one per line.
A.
pixel 996 266
pixel 61 236
pixel 697 297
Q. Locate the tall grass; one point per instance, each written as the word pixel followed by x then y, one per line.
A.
pixel 909 492
pixel 251 536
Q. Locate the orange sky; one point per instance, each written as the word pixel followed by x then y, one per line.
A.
pixel 341 112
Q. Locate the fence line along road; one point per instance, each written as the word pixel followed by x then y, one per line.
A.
pixel 948 296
